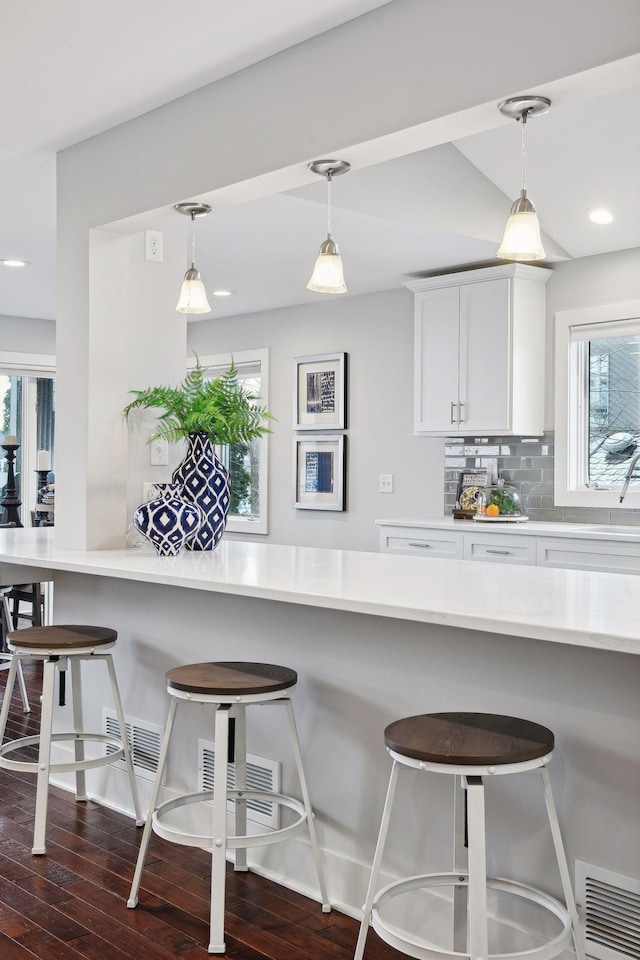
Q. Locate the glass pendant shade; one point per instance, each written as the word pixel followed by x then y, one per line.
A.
pixel 521 240
pixel 193 296
pixel 328 273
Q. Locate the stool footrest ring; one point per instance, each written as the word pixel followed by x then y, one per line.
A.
pixel 175 835
pixel 32 766
pixel 401 941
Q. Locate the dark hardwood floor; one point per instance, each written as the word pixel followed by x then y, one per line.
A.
pixel 71 903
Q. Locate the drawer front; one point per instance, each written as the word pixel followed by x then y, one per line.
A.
pixel 500 549
pixel 420 542
pixel 590 555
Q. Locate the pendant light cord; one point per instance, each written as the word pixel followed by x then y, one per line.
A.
pixel 523 123
pixel 329 178
pixel 193 240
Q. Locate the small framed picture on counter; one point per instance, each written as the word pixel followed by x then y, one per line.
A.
pixel 470 483
pixel 320 391
pixel 319 472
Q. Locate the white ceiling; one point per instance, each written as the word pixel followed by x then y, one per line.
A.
pixel 91 65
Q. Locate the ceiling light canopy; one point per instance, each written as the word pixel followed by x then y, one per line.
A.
pixel 193 296
pixel 328 272
pixel 521 240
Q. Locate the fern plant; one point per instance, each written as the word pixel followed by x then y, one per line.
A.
pixel 219 408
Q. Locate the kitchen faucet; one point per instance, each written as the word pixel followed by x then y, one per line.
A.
pixel 629 475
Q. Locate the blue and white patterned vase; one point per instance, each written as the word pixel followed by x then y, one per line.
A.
pixel 206 483
pixel 169 520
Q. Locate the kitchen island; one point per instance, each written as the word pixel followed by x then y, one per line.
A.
pixel 375 637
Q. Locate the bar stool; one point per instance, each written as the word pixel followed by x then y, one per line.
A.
pixel 5 656
pixel 228 685
pixel 55 646
pixel 471 746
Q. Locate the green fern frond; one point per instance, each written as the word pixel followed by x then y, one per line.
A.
pixel 219 408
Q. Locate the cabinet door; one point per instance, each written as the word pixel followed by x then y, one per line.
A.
pixel 485 348
pixel 436 360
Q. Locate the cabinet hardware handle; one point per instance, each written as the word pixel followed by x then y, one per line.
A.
pixel 461 407
pixel 419 544
pixel 453 404
pixel 503 553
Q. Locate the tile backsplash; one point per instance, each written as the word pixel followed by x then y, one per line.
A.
pixel 528 463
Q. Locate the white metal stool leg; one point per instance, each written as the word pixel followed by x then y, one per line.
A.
pixel 219 845
pixel 146 836
pixel 563 866
pixel 377 861
pixel 326 905
pixel 44 757
pixel 117 702
pixel 8 692
pixel 240 766
pixel 478 937
pixel 78 745
pixel 23 688
pixel 7 624
pixel 460 865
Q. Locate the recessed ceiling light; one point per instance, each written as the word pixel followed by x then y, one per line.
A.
pixel 12 262
pixel 601 215
pixel 223 293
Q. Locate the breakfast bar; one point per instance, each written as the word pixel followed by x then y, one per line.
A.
pixel 375 637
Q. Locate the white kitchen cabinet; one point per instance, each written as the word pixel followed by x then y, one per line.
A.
pixel 499 548
pixel 580 555
pixel 479 352
pixel 537 544
pixel 427 543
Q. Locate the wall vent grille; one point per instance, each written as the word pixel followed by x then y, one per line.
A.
pixel 144 742
pixel 262 774
pixel 609 912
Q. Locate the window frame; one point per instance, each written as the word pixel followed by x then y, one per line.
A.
pixel 221 362
pixel 571 407
pixel 32 366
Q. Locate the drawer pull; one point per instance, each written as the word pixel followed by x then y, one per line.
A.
pixel 502 553
pixel 419 544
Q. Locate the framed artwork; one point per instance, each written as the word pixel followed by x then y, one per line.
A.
pixel 320 391
pixel 319 472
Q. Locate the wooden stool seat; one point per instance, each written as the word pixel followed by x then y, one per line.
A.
pixel 230 678
pixel 468 739
pixel 61 637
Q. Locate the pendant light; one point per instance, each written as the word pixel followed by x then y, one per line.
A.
pixel 521 240
pixel 328 273
pixel 193 296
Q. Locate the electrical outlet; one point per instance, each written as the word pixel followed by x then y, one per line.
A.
pixel 386 483
pixel 159 453
pixel 148 491
pixel 153 245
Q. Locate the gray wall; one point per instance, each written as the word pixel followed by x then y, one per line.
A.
pixel 27 335
pixel 377 333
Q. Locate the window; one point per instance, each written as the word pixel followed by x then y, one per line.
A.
pixel 27 410
pixel 247 463
pixel 597 405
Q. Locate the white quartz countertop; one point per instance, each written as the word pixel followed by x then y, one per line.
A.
pixel 577 607
pixel 530 528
